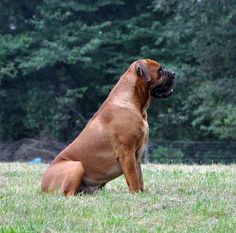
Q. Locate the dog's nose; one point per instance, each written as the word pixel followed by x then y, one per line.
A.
pixel 171 75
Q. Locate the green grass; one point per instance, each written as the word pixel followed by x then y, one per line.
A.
pixel 177 198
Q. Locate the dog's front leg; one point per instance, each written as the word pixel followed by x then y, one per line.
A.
pixel 128 163
pixel 141 184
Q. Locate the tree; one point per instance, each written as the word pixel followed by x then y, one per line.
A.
pixel 58 61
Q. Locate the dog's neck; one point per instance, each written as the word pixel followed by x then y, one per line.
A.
pixel 131 91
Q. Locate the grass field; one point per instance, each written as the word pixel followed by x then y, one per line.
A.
pixel 177 198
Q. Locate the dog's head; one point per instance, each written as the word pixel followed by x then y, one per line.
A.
pixel 160 81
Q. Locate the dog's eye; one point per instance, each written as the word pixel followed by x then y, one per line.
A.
pixel 160 69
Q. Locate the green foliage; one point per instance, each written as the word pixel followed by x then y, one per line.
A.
pixel 201 152
pixel 167 155
pixel 58 60
pixel 215 115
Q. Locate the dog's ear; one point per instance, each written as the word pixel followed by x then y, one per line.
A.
pixel 143 71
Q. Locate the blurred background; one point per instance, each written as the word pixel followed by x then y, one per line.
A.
pixel 59 60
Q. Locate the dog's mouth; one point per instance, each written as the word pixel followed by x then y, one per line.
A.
pixel 161 91
pixel 165 89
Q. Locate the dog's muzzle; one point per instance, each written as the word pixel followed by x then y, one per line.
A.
pixel 164 89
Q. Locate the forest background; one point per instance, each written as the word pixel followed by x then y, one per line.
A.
pixel 59 59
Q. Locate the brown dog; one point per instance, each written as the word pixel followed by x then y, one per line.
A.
pixel 112 141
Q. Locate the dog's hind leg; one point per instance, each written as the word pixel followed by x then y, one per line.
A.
pixel 65 177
